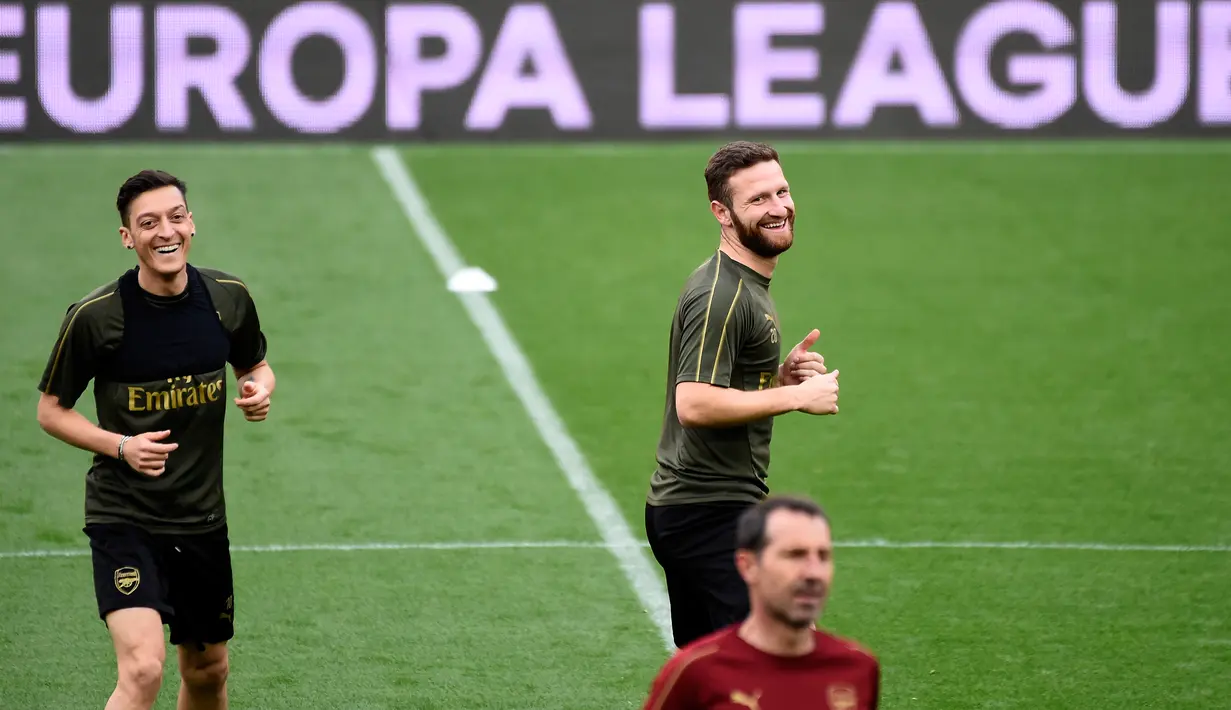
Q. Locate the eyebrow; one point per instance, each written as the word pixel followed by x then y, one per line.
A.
pixel 151 213
pixel 766 193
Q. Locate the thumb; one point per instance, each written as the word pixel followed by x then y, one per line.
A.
pixel 835 374
pixel 809 340
pixel 249 387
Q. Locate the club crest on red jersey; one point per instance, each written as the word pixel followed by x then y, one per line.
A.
pixel 841 697
pixel 753 702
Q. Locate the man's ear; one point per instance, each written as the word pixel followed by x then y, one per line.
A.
pixel 721 213
pixel 746 563
pixel 126 238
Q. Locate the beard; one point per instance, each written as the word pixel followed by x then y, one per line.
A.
pixel 798 616
pixel 794 621
pixel 761 244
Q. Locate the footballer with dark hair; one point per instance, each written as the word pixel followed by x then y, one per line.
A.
pixel 156 342
pixel 725 384
pixel 776 658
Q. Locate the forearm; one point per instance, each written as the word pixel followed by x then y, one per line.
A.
pixel 706 406
pixel 71 427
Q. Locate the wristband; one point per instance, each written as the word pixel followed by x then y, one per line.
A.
pixel 123 440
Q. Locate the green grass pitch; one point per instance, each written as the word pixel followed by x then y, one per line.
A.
pixel 1033 342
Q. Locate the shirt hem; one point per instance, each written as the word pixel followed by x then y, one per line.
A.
pixel 696 498
pixel 159 528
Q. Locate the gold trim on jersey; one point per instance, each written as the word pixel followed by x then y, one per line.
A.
pixel 705 324
pixel 55 362
pixel 241 284
pixel 723 336
pixel 682 665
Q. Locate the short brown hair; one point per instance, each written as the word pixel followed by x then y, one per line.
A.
pixel 142 183
pixel 730 159
pixel 750 528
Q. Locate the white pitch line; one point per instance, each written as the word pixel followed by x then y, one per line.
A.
pixel 1025 545
pixel 598 503
pixel 577 545
pixel 354 547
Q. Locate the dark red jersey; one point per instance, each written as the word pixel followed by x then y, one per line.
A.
pixel 723 672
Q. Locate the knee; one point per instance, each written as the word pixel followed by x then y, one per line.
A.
pixel 141 673
pixel 206 675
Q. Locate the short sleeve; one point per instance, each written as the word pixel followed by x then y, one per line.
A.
pixel 73 360
pixel 712 328
pixel 248 344
pixel 673 687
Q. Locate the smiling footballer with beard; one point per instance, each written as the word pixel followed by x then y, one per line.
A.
pixel 156 342
pixel 726 381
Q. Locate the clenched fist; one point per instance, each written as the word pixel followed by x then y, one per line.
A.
pixel 819 394
pixel 146 455
pixel 254 401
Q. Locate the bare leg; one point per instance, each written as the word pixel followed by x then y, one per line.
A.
pixel 140 652
pixel 204 674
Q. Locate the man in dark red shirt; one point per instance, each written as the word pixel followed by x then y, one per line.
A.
pixel 776 659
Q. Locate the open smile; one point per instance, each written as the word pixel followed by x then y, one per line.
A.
pixel 169 249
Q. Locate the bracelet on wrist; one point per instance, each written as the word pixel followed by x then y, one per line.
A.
pixel 123 440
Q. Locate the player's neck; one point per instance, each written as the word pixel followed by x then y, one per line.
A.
pixel 776 638
pixel 157 285
pixel 730 246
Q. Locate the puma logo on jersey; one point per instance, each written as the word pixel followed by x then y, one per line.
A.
pixel 749 701
pixel 773 328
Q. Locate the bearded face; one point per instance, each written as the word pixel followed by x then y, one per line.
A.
pixel 770 235
pixel 762 211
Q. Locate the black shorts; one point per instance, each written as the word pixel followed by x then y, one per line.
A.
pixel 695 544
pixel 186 578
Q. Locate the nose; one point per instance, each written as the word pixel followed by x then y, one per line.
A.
pixel 816 568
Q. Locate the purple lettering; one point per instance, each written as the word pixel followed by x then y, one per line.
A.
pixel 895 30
pixel 62 104
pixel 1100 68
pixel 12 109
pixel 214 75
pixel 1214 73
pixel 1054 75
pixel 659 105
pixel 758 64
pixel 351 101
pixel 528 33
pixel 410 73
